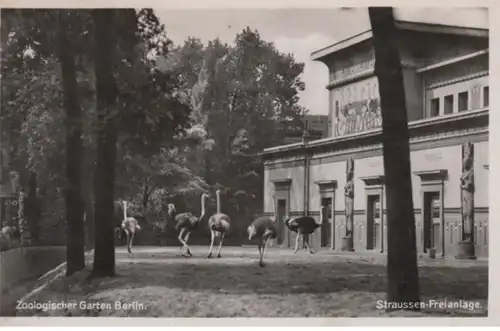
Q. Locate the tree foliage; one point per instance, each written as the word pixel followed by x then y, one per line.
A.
pixel 191 117
pixel 241 96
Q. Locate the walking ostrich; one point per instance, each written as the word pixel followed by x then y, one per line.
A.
pixel 303 225
pixel 186 222
pixel 130 226
pixel 264 228
pixel 118 217
pixel 219 225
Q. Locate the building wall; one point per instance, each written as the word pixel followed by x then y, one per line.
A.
pixel 449 158
pixel 438 47
pixel 349 94
pixel 354 107
pixel 351 61
pixel 469 76
pixel 327 171
pixel 295 173
pixel 413 94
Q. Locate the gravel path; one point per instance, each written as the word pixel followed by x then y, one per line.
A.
pixel 158 282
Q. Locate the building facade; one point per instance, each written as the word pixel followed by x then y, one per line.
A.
pixel 445 74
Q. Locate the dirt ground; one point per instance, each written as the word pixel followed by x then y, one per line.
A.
pixel 158 282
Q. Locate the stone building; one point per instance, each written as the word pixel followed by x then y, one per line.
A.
pixel 445 71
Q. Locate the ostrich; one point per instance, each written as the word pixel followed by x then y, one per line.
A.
pixel 264 228
pixel 118 217
pixel 130 226
pixel 219 225
pixel 186 222
pixel 11 236
pixel 303 225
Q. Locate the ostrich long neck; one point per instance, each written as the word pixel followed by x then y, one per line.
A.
pixel 174 213
pixel 322 215
pixel 124 210
pixel 202 206
pixel 218 202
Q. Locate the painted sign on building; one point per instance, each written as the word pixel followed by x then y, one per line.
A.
pixel 356 107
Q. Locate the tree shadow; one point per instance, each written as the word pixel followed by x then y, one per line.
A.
pixel 289 277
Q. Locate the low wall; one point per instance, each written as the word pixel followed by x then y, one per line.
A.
pixel 25 263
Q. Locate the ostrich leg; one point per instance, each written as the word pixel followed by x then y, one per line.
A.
pixel 220 244
pixel 297 243
pixel 181 233
pixel 127 240
pixel 261 263
pixel 212 233
pixel 186 238
pixel 309 247
pixel 130 242
pixel 260 252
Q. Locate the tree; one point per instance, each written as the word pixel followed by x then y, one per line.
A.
pixel 106 94
pixel 402 270
pixel 74 203
pixel 249 93
pixel 34 110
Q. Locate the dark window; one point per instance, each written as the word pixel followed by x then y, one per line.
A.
pixel 448 104
pixel 434 107
pixel 486 96
pixel 463 101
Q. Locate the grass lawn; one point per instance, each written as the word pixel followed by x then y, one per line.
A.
pixel 158 282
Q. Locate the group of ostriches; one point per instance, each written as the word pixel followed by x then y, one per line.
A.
pixel 263 228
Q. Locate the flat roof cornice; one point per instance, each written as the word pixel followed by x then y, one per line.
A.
pixel 402 25
pixel 356 39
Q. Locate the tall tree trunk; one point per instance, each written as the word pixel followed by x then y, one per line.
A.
pixel 74 207
pixel 106 90
pixel 402 270
pixel 87 190
pixel 146 194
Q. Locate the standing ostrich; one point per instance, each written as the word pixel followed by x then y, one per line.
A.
pixel 219 225
pixel 303 225
pixel 264 228
pixel 10 236
pixel 129 225
pixel 186 222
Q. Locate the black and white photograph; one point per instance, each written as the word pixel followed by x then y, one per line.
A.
pixel 245 162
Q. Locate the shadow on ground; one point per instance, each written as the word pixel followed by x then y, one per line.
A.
pixel 168 285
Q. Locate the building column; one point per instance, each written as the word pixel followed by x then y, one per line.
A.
pixel 347 242
pixel 466 249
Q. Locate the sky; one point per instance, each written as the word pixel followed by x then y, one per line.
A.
pixel 301 32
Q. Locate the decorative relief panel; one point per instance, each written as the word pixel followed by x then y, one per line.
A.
pixel 356 107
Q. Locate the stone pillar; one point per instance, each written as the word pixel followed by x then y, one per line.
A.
pixel 347 243
pixel 466 245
